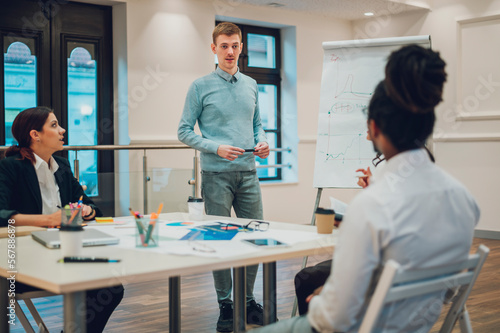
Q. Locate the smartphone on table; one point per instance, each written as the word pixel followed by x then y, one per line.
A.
pixel 265 242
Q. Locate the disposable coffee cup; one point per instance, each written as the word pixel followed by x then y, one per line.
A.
pixel 325 220
pixel 71 238
pixel 196 206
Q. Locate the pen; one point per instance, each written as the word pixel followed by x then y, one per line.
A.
pixel 139 226
pixel 73 216
pixel 87 259
pixel 80 201
pixel 160 207
pixel 152 222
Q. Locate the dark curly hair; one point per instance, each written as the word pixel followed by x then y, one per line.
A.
pixel 403 103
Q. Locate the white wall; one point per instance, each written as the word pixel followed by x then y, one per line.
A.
pixel 467 147
pixel 173 37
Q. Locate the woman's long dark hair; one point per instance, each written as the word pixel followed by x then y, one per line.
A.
pixel 403 104
pixel 24 123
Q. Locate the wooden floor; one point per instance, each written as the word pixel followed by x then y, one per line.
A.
pixel 145 305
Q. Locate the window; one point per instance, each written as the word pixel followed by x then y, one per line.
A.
pixel 20 77
pixel 63 61
pixel 261 60
pixel 82 115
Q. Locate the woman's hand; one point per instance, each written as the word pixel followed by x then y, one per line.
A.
pixel 88 213
pixel 364 180
pixel 52 220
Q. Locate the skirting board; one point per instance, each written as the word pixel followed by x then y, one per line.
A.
pixel 488 234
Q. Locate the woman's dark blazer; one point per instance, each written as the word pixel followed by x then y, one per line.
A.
pixel 20 190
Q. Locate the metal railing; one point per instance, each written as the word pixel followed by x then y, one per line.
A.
pixel 145 179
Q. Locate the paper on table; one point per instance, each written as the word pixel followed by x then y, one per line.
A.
pixel 289 237
pixel 338 206
pixel 221 249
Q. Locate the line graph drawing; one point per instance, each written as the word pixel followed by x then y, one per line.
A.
pixel 351 71
pixel 349 92
pixel 346 99
pixel 345 94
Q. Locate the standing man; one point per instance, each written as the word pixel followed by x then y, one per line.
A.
pixel 225 104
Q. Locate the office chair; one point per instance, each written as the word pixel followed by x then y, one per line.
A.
pixel 396 284
pixel 26 297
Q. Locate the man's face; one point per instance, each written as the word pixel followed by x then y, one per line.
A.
pixel 228 49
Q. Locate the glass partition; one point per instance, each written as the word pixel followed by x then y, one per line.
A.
pixel 166 185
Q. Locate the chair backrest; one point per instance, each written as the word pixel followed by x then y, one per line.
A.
pixel 396 284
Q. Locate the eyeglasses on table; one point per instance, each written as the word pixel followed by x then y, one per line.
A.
pixel 251 226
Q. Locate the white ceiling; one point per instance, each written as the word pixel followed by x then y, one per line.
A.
pixel 345 9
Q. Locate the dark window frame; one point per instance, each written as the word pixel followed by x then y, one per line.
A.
pixel 69 21
pixel 271 76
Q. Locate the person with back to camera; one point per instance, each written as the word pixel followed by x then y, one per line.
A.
pixel 225 105
pixel 34 184
pixel 309 279
pixel 415 213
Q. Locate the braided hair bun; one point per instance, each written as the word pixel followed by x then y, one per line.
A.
pixel 414 78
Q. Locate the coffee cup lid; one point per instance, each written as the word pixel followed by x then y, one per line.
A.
pixel 328 211
pixel 191 199
pixel 71 228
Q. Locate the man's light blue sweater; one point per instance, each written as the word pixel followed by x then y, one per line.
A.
pixel 227 110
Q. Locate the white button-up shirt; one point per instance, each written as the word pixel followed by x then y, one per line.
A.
pixel 48 185
pixel 414 213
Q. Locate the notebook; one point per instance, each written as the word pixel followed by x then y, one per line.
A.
pixel 91 237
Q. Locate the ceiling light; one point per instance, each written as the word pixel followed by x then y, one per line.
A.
pixel 369 14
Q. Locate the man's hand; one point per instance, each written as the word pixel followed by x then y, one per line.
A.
pixel 316 292
pixel 262 150
pixel 229 152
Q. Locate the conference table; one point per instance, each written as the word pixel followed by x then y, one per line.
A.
pixel 38 266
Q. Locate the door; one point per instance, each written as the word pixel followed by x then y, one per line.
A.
pixel 59 54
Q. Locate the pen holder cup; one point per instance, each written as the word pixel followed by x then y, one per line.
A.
pixel 146 232
pixel 71 217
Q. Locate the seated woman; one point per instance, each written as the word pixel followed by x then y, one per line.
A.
pixel 310 280
pixel 34 185
pixel 402 216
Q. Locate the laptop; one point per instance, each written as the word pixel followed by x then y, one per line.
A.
pixel 91 237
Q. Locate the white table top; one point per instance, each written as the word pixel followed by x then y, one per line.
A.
pixel 37 265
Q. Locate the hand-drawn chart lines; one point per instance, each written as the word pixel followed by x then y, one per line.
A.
pixel 347 102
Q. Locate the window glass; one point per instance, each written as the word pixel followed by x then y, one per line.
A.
pixel 261 51
pixel 20 77
pixel 267 105
pixel 271 159
pixel 82 111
